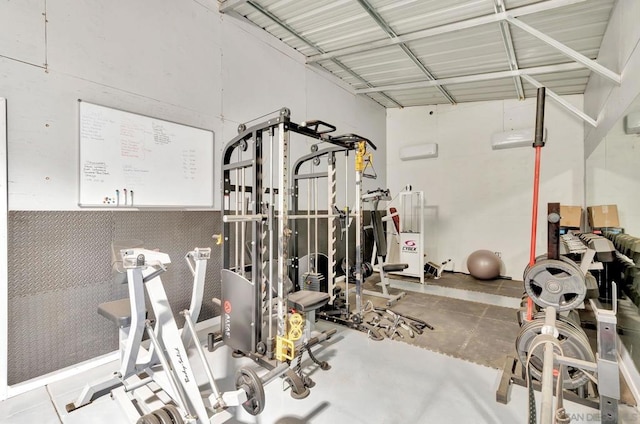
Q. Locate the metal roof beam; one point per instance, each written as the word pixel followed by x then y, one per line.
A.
pixel 227 5
pixel 443 29
pixel 507 40
pixel 567 51
pixel 293 32
pixel 391 33
pixel 564 67
pixel 562 102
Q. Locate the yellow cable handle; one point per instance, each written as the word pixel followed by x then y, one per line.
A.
pixel 361 151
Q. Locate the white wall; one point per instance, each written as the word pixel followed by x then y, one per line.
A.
pixel 613 176
pixel 620 52
pixel 478 198
pixel 180 61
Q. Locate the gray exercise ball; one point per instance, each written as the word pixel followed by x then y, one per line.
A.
pixel 484 265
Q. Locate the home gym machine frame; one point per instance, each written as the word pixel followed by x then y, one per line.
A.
pixel 248 285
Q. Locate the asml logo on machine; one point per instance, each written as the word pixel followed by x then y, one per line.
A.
pixel 409 246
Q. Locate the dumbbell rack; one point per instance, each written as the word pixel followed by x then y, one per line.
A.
pixel 553 285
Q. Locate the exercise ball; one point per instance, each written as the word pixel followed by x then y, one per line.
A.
pixel 484 265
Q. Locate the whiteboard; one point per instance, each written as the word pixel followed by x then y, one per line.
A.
pixel 129 160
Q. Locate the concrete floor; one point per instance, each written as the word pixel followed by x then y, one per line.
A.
pixel 369 382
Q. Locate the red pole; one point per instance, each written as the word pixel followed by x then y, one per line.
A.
pixel 534 223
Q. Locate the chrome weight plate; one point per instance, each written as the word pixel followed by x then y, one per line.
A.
pixel 574 344
pixel 559 284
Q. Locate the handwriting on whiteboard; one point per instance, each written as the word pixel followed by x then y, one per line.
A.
pixel 95 171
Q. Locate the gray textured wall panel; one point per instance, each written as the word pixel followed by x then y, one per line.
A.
pixel 60 270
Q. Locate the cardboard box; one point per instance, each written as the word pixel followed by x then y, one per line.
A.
pixel 603 216
pixel 570 216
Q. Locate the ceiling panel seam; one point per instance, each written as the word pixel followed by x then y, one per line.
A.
pixel 293 32
pixel 572 66
pixel 567 51
pixel 505 32
pixel 392 34
pixel 443 29
pixel 228 5
pixel 571 108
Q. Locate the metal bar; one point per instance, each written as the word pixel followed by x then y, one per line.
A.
pixel 546 406
pixel 310 176
pixel 553 231
pixel 256 239
pixel 562 102
pixel 274 373
pixel 243 227
pixel 443 29
pixel 346 232
pixel 271 222
pixel 283 229
pixel 207 369
pixel 243 218
pixel 577 363
pixel 358 229
pixel 387 28
pixel 567 51
pixel 309 215
pixel 178 390
pixel 315 210
pixel 227 5
pixel 236 239
pixel 564 67
pixel 505 31
pixel 238 165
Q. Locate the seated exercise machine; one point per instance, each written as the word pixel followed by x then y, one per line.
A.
pixel 157 384
pixel 380 247
pixel 263 313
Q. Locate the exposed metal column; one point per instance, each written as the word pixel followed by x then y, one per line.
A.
pixel 567 51
pixel 573 66
pixel 392 34
pixel 500 7
pixel 444 29
pixel 293 32
pixel 562 102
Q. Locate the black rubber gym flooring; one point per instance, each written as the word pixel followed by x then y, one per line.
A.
pixel 473 331
pixel 476 332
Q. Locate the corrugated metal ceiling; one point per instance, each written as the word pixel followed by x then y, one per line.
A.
pixel 464 38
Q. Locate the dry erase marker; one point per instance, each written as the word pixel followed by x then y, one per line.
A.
pixel 131 192
pixel 117 197
pixel 125 196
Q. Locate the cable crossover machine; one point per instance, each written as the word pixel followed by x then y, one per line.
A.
pixel 269 292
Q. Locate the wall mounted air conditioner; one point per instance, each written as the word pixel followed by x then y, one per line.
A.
pixel 515 138
pixel 419 151
pixel 632 123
